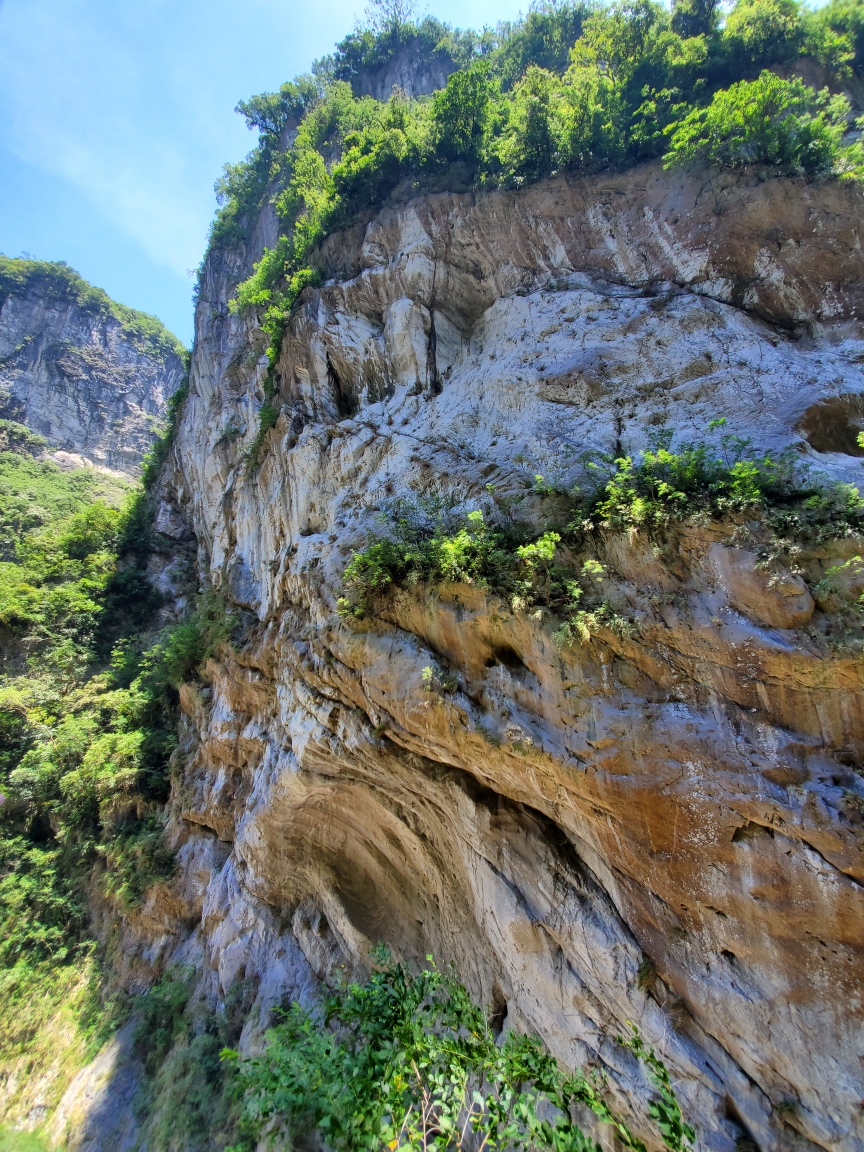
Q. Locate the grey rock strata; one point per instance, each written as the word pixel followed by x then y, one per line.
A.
pixel 82 380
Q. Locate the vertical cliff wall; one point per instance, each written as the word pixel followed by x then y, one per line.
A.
pixel 660 825
pixel 91 376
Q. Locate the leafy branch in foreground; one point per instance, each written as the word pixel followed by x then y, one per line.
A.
pixel 665 1111
pixel 408 1061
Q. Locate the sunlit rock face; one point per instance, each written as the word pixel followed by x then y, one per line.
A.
pixel 81 381
pixel 661 827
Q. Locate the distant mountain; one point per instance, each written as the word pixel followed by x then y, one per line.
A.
pixel 90 375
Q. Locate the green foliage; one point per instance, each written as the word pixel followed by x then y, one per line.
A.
pixel 425 542
pixel 87 726
pixel 691 18
pixel 272 112
pixel 72 565
pixel 59 533
pixel 156 457
pixel 88 718
pixel 42 915
pixel 268 416
pixel 528 147
pixel 34 493
pixel 184 648
pixel 764 121
pixel 663 486
pixel 428 545
pixel 240 192
pixel 820 515
pixel 15 437
pixel 409 1062
pixel 160 1017
pixel 765 31
pixel 53 1017
pixel 844 19
pixel 543 38
pixel 57 281
pixel 461 114
pixel 367 50
pixel 189 1102
pixel 665 1111
pixel 136 859
pixel 570 87
pixel 713 481
pixel 14 1140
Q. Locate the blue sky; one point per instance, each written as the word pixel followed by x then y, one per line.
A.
pixel 116 117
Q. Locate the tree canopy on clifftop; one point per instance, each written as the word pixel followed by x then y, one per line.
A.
pixel 576 86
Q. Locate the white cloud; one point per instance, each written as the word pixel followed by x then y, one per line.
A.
pixel 132 104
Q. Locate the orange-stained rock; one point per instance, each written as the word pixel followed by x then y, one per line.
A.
pixel 684 789
pixel 776 599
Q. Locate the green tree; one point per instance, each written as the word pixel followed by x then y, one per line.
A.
pixel 270 112
pixel 590 115
pixel 529 146
pixel 461 114
pixel 545 38
pixel 844 18
pixel 764 121
pixel 765 31
pixel 695 17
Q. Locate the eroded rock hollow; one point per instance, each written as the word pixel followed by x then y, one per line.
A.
pixel 661 827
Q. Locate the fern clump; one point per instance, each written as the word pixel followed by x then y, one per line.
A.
pixel 428 544
pixel 716 480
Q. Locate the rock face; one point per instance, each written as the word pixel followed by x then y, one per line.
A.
pixel 661 827
pixel 82 379
pixel 413 70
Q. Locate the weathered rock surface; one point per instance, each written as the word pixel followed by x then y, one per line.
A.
pixel 662 827
pixel 413 70
pixel 775 599
pixel 82 381
pixel 97 1109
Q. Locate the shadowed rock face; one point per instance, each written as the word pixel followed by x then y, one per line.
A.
pixel 663 827
pixel 80 381
pixel 412 70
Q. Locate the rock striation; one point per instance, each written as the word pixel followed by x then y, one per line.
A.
pixel 662 826
pixel 89 380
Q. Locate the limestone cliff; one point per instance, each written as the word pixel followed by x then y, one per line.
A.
pixel 91 376
pixel 662 827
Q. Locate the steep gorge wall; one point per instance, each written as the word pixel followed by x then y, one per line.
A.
pixel 556 818
pixel 81 379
